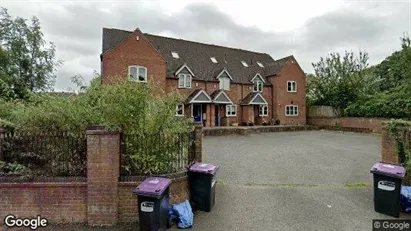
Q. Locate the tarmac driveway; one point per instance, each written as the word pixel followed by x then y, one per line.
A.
pixel 310 180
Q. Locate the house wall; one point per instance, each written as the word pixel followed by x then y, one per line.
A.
pixel 290 72
pixel 134 52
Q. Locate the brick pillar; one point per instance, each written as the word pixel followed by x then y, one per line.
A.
pixel 389 147
pixel 2 132
pixel 103 171
pixel 198 143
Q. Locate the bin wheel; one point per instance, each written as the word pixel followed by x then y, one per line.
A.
pixel 169 223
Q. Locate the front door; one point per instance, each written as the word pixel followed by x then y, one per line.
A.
pixel 256 113
pixel 217 115
pixel 197 113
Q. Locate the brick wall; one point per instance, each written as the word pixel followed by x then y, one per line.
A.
pixel 290 72
pixel 388 147
pixel 373 124
pixel 128 210
pixel 134 52
pixel 57 202
pixel 101 200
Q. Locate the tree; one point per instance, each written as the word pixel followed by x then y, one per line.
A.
pixel 395 70
pixel 339 81
pixel 27 61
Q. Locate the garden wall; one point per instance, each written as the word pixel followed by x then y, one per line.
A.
pixel 360 123
pixel 103 198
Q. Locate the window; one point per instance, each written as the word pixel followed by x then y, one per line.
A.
pixel 180 109
pixel 184 81
pixel 231 110
pixel 244 63
pixel 224 83
pixel 260 64
pixel 291 86
pixel 291 110
pixel 263 110
pixel 214 60
pixel 137 73
pixel 258 86
pixel 175 55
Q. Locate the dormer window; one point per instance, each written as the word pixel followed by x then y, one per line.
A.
pixel 175 55
pixel 258 83
pixel 224 83
pixel 244 63
pixel 137 73
pixel 260 64
pixel 214 60
pixel 184 80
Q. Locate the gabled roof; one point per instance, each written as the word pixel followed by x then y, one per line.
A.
pixel 219 96
pixel 186 67
pixel 258 75
pixel 198 96
pixel 197 56
pixel 253 98
pixel 224 70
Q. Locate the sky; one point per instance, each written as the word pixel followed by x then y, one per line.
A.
pixel 306 29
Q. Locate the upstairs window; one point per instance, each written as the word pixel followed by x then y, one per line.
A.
pixel 244 63
pixel 180 109
pixel 231 110
pixel 184 80
pixel 291 86
pixel 224 83
pixel 263 110
pixel 137 73
pixel 214 60
pixel 291 110
pixel 175 55
pixel 258 86
pixel 260 64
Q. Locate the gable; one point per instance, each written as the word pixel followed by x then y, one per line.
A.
pixel 184 67
pixel 201 97
pixel 222 98
pixel 224 74
pixel 257 77
pixel 258 99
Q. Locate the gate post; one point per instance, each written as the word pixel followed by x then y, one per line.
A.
pixel 103 172
pixel 198 143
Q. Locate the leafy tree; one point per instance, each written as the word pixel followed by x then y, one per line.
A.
pixel 395 70
pixel 27 61
pixel 340 80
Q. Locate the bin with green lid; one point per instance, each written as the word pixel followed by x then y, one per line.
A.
pixel 202 185
pixel 387 188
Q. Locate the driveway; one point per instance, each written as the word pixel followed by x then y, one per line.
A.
pixel 310 180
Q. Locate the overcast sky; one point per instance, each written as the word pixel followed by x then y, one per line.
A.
pixel 305 29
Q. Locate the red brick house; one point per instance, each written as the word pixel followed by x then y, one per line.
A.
pixel 223 86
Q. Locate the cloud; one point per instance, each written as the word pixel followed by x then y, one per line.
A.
pixel 76 29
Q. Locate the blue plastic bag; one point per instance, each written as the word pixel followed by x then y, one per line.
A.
pixel 183 213
pixel 406 198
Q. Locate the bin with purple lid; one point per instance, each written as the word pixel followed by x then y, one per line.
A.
pixel 387 188
pixel 202 180
pixel 153 203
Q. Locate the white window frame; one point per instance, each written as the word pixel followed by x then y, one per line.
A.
pixel 262 112
pixel 182 78
pixel 213 59
pixel 292 82
pixel 231 110
pixel 295 109
pixel 258 84
pixel 260 64
pixel 138 71
pixel 221 85
pixel 182 109
pixel 175 55
pixel 244 63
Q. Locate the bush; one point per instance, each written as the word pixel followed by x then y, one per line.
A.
pixel 130 107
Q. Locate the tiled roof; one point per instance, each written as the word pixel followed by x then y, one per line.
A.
pixel 246 100
pixel 197 56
